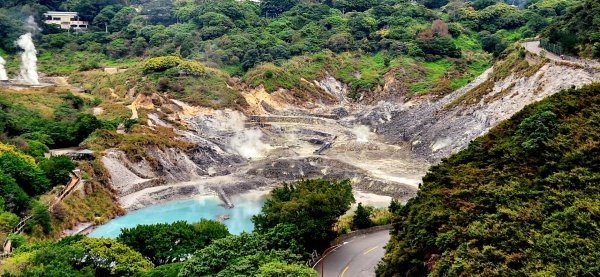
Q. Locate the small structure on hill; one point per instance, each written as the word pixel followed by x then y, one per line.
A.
pixel 66 20
pixel 83 155
pixel 74 154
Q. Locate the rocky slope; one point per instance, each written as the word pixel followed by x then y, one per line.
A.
pixel 436 129
pixel 384 148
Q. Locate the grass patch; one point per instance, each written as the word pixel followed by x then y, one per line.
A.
pixel 432 72
pixel 474 69
pixel 465 42
pixel 44 101
pixel 513 35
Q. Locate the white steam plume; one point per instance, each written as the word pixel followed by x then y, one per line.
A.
pixel 361 132
pixel 29 73
pixel 3 76
pixel 246 142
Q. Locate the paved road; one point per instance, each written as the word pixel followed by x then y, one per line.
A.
pixel 534 47
pixel 357 257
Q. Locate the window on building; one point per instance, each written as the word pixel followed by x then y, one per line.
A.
pixel 56 18
pixel 83 26
pixel 73 26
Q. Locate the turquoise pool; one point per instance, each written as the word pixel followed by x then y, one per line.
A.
pixel 191 210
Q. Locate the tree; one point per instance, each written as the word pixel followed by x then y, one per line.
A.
pixel 439 28
pixel 84 125
pixel 433 4
pixel 495 200
pixel 111 258
pixel 104 17
pixel 482 4
pixel 168 270
pixel 15 199
pixel 175 242
pixel 247 253
pixel 273 8
pixel 30 178
pixel 250 59
pixel 222 252
pixel 361 218
pixel 57 260
pixel 117 48
pixel 312 205
pixel 339 42
pixel 36 149
pixel 88 9
pixel 40 216
pixel 535 130
pixel 8 221
pixel 361 25
pixel 492 43
pixel 440 46
pixel 280 269
pixel 57 169
pixel 354 5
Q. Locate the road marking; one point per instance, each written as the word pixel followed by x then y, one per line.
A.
pixel 344 271
pixel 369 251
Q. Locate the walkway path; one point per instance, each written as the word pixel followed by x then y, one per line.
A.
pixel 534 47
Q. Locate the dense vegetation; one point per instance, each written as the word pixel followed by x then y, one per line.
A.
pixel 285 41
pixel 169 243
pixel 578 32
pixel 522 200
pixel 312 206
pixel 279 247
pixel 68 124
pixel 32 122
pixel 498 207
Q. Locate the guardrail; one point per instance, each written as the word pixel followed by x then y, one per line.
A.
pixel 344 237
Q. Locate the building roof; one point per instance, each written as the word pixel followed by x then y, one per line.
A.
pixel 60 13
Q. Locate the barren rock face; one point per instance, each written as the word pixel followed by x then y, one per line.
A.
pixel 436 131
pixel 384 148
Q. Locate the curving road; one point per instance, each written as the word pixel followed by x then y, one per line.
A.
pixel 356 257
pixel 534 47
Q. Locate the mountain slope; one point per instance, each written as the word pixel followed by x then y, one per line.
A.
pixel 522 200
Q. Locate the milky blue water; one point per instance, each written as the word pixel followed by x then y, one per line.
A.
pixel 192 210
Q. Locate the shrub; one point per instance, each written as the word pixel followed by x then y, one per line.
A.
pixel 160 64
pixel 191 68
pixel 361 218
pixel 57 169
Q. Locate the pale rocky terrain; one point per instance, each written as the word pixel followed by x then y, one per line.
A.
pixel 384 148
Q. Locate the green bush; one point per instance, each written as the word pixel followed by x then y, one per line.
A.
pixel 160 64
pixel 191 68
pixel 57 169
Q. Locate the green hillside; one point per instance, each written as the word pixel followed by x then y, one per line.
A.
pixel 521 201
pixel 431 40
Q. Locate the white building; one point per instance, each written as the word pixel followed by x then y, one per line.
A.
pixel 66 20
